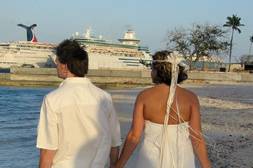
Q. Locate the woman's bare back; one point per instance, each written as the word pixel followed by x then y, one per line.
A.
pixel 155 102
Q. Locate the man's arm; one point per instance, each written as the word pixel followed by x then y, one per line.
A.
pixel 46 158
pixel 115 134
pixel 47 135
pixel 114 155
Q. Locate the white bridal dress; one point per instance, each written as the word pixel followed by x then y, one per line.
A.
pixel 167 146
pixel 177 151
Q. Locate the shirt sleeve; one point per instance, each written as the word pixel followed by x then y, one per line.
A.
pixel 47 132
pixel 115 126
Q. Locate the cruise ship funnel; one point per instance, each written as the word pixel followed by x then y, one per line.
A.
pixel 29 32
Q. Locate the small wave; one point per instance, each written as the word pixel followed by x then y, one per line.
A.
pixel 12 141
pixel 18 127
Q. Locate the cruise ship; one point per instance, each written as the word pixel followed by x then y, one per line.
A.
pixel 125 54
pixel 26 54
pixel 30 53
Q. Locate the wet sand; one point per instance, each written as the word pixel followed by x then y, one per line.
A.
pixel 227 121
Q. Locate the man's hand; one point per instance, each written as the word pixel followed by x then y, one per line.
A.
pixel 114 155
pixel 112 166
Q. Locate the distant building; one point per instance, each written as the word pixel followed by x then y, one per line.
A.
pixel 247 61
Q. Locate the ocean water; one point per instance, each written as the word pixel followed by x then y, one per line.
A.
pixel 19 112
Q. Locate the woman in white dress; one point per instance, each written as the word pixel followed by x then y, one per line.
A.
pixel 168 117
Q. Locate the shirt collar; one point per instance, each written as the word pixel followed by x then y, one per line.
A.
pixel 74 80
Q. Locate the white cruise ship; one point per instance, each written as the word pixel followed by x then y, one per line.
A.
pixel 26 53
pixel 126 54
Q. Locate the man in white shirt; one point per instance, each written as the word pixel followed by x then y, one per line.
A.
pixel 78 126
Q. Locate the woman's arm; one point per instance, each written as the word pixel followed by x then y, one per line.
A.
pixel 134 134
pixel 197 139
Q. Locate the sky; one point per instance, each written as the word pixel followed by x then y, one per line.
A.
pixel 150 19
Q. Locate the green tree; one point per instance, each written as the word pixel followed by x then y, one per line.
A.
pixel 198 42
pixel 234 22
pixel 251 42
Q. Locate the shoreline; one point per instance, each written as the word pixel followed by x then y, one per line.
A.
pixel 116 78
pixel 40 84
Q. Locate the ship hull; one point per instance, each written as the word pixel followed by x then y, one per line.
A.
pixel 26 54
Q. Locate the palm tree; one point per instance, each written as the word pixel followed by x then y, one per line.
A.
pixel 251 42
pixel 234 22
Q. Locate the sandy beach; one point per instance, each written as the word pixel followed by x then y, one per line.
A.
pixel 227 121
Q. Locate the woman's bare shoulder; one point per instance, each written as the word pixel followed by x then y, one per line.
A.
pixel 145 92
pixel 188 93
